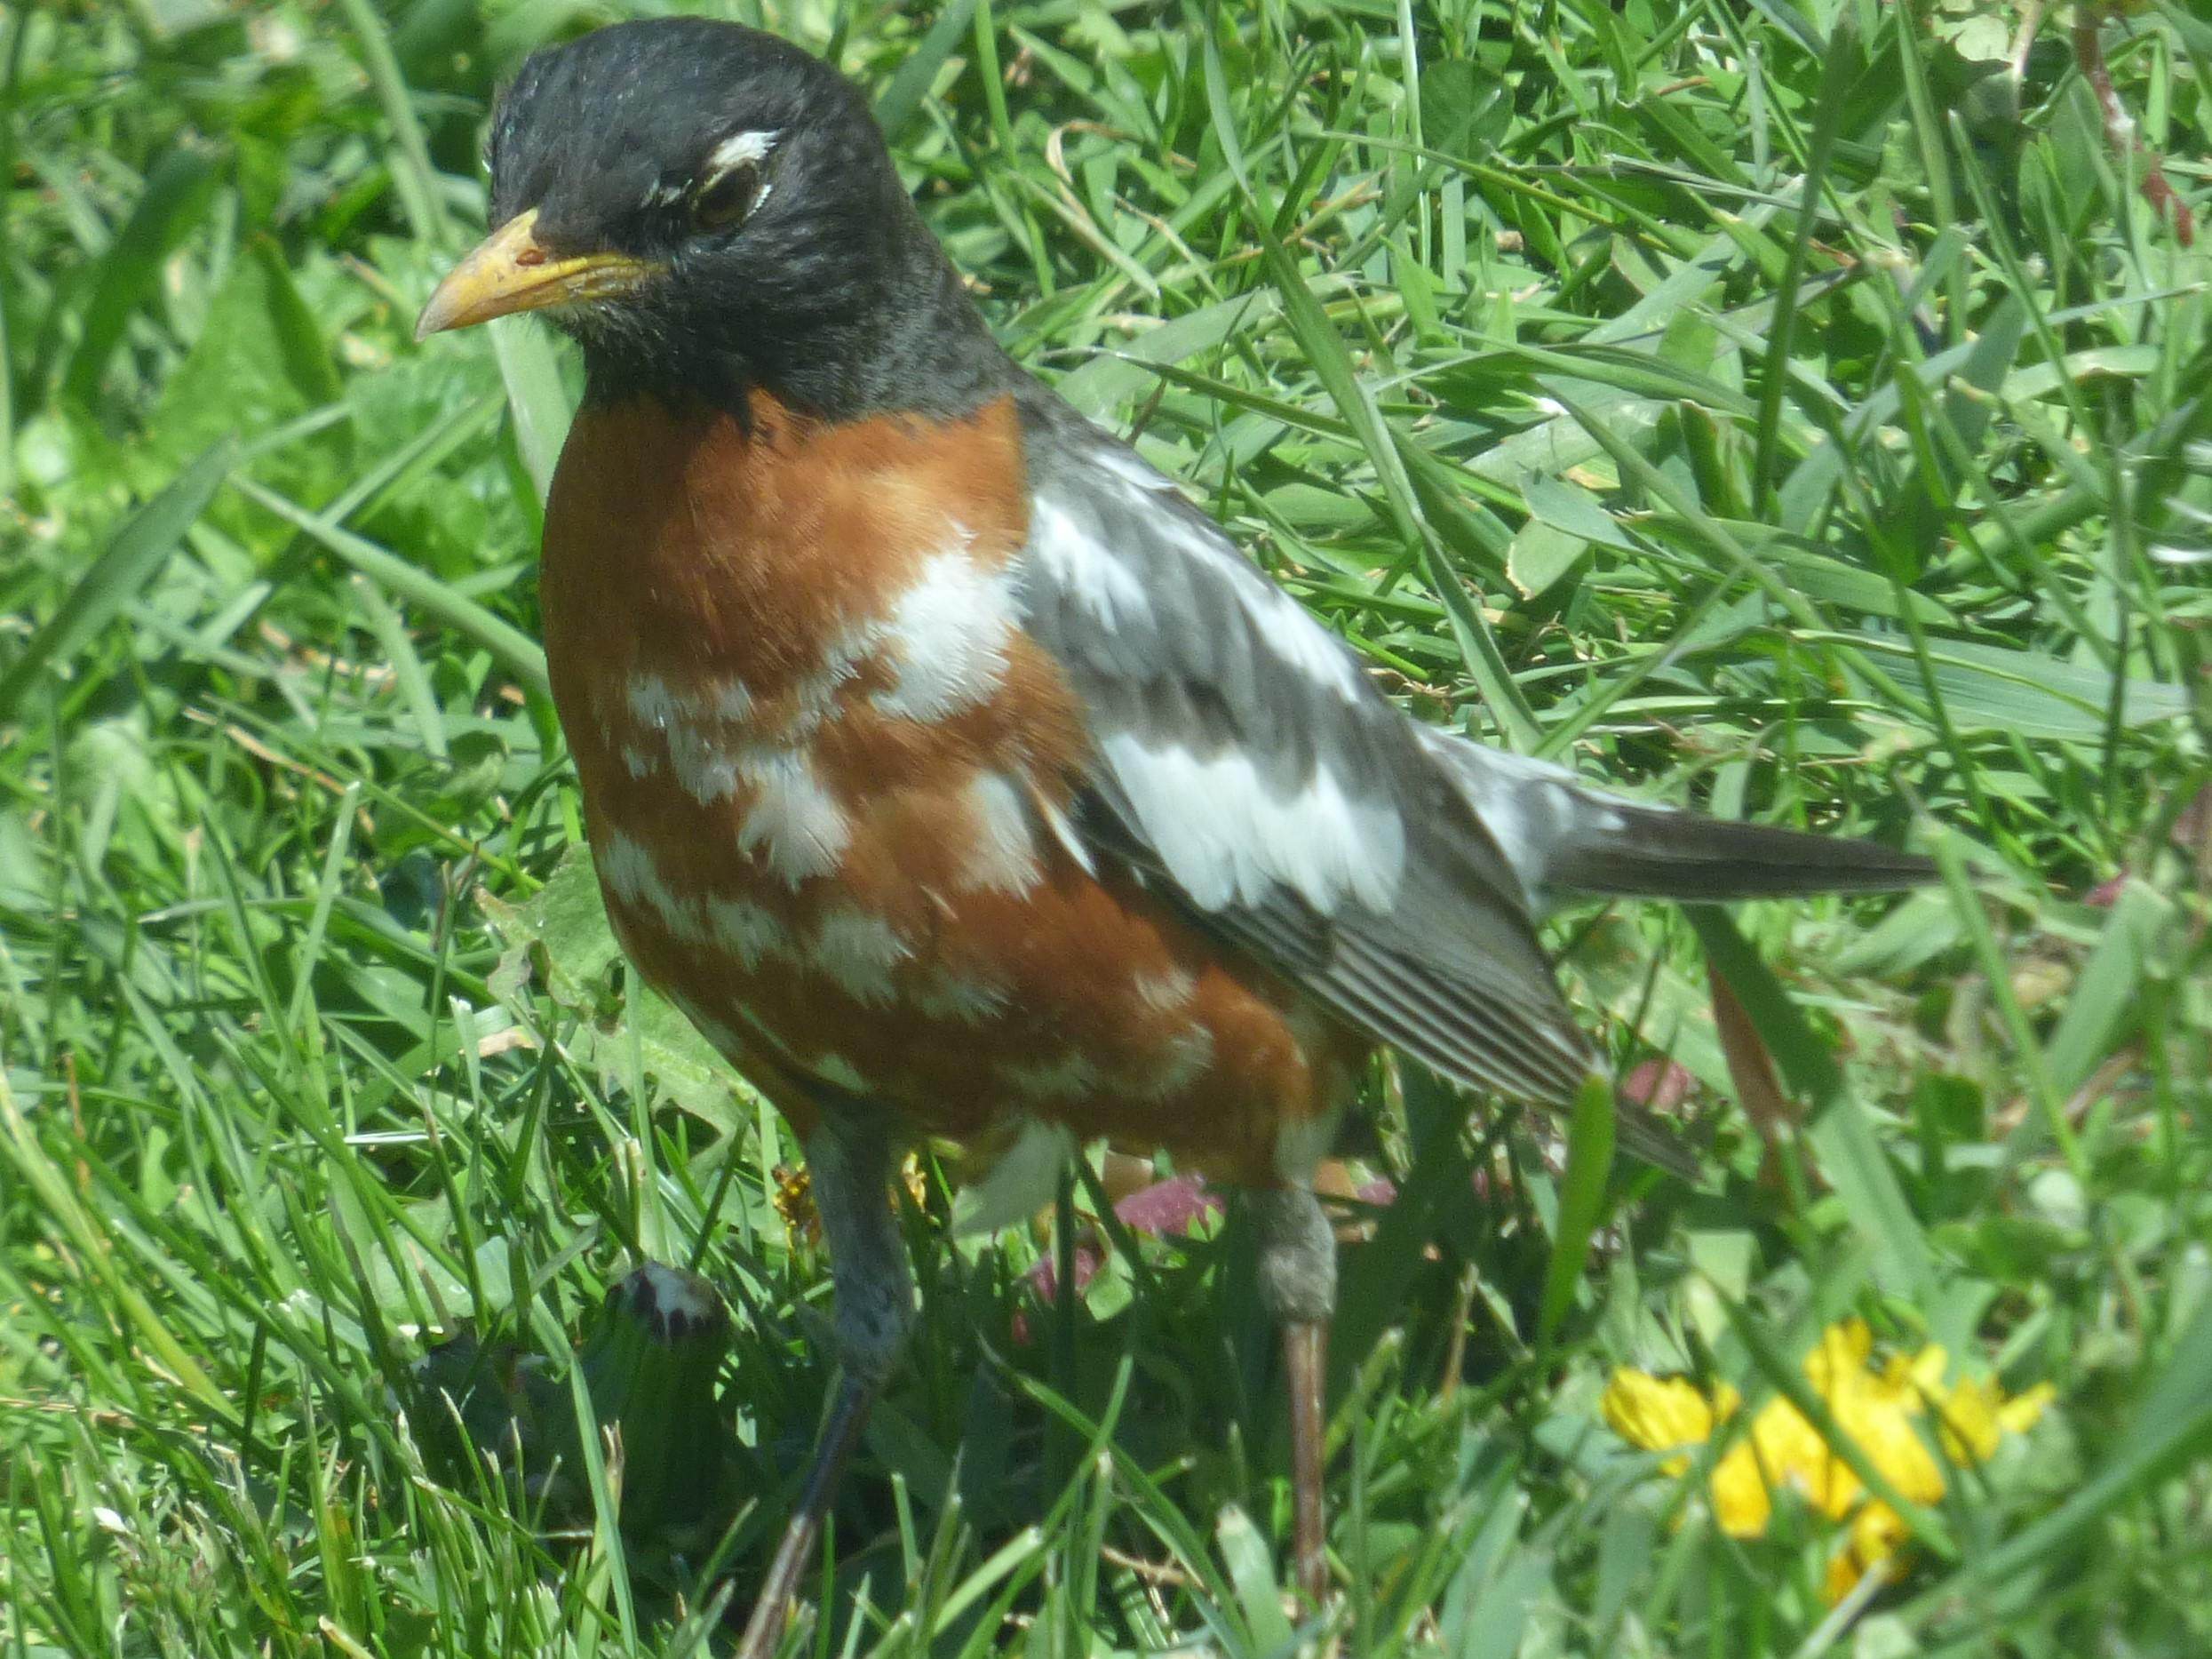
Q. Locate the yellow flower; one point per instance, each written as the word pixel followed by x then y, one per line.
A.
pixel 793 1198
pixel 1973 1416
pixel 1885 1413
pixel 1877 1533
pixel 794 1202
pixel 916 1180
pixel 1658 1414
pixel 1742 1503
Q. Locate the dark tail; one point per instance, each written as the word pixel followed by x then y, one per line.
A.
pixel 1621 849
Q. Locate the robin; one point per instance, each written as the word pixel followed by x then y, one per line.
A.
pixel 955 774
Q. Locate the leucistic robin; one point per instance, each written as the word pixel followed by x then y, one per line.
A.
pixel 954 773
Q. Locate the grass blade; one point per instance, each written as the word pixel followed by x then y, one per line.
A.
pixel 135 552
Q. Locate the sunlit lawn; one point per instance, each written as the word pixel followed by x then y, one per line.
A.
pixel 1800 409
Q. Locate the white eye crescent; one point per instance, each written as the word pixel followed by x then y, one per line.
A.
pixel 738 147
pixel 730 185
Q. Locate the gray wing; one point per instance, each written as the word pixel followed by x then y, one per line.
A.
pixel 1248 768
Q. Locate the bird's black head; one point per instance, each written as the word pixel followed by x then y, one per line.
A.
pixel 709 208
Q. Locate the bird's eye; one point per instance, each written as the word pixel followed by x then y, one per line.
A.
pixel 723 201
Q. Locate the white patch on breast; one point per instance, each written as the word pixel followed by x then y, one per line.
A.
pixel 652 705
pixel 707 770
pixel 703 733
pixel 793 824
pixel 944 640
pixel 702 758
pixel 814 697
pixel 946 637
pixel 792 821
pixel 1227 836
pixel 628 868
pixel 1168 991
pixel 655 705
pixel 1003 857
pixel 858 951
pixel 746 931
pixel 1180 1064
pixel 963 997
pixel 1107 588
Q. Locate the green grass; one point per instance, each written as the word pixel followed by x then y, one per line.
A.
pixel 1788 406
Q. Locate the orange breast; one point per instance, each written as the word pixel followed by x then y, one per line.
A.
pixel 825 775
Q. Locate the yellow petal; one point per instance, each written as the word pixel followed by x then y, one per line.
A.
pixel 1974 1417
pixel 1966 1421
pixel 1842 1576
pixel 1740 1503
pixel 2017 1414
pixel 1790 1453
pixel 915 1179
pixel 794 1202
pixel 1914 1379
pixel 1875 1536
pixel 1885 1431
pixel 1881 1413
pixel 1928 1367
pixel 1842 1352
pixel 1658 1414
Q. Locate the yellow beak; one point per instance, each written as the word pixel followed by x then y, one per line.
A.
pixel 508 271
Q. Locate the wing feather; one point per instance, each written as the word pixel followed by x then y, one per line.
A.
pixel 1246 768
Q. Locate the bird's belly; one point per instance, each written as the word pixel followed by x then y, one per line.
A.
pixel 921 935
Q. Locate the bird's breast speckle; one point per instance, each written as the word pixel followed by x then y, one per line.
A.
pixel 822 766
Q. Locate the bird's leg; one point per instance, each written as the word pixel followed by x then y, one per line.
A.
pixel 848 1160
pixel 795 1553
pixel 1305 1350
pixel 1298 1289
